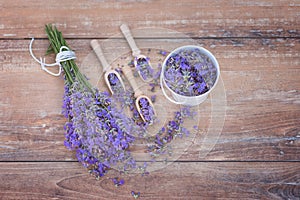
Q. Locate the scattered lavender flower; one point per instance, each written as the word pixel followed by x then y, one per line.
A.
pixel 144 68
pixel 152 85
pixel 131 63
pixel 155 81
pixel 153 98
pixel 143 169
pixel 164 53
pixel 135 194
pixel 173 129
pixel 189 72
pixel 118 182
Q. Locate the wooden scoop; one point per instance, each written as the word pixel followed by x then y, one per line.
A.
pixel 136 53
pixel 106 67
pixel 138 94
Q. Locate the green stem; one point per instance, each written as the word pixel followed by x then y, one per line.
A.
pixel 70 68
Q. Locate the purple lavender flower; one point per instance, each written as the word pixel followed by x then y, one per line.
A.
pixel 144 68
pixel 153 98
pixel 113 79
pixel 135 194
pixel 146 110
pixel 66 102
pixel 115 83
pixel 173 129
pixel 72 138
pixel 97 130
pixel 164 53
pixel 189 72
pixel 118 182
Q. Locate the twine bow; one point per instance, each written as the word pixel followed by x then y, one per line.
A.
pixel 64 54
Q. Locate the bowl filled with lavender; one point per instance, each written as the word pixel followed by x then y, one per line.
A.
pixel 189 73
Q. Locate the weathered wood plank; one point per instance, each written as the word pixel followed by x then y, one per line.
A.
pixel 212 180
pixel 261 78
pixel 98 19
pixel 233 54
pixel 253 136
pixel 257 44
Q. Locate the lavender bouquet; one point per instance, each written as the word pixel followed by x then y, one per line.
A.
pixel 96 129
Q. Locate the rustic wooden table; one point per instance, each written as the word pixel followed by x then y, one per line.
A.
pixel 255 156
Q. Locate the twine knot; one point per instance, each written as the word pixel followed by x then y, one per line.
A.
pixel 64 54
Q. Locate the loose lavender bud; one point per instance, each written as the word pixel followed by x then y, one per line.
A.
pixel 144 69
pixel 173 129
pixel 146 110
pixel 153 98
pixel 135 194
pixel 115 83
pixel 189 72
pixel 118 182
pixel 164 53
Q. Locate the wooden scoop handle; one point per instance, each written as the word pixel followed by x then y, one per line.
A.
pixel 97 48
pixel 131 79
pixel 126 32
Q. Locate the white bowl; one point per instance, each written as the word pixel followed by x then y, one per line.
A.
pixel 188 100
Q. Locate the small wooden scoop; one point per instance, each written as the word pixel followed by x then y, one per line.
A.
pixel 138 94
pixel 106 67
pixel 136 53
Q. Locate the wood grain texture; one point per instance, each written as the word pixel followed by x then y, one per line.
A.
pixel 98 18
pixel 238 54
pixel 213 180
pixel 262 119
pixel 257 43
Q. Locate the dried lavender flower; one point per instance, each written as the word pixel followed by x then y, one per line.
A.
pixel 144 68
pixel 146 110
pixel 135 194
pixel 115 84
pixel 96 129
pixel 118 182
pixel 173 129
pixel 189 72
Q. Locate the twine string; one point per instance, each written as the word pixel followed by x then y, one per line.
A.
pixel 64 54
